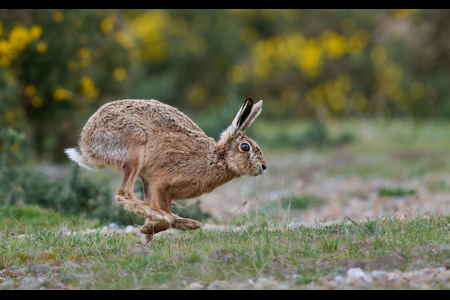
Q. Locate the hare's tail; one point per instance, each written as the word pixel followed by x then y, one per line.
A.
pixel 75 155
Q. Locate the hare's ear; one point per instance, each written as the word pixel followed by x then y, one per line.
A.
pixel 239 120
pixel 242 116
pixel 256 110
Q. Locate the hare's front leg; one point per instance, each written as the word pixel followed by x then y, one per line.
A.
pixel 127 198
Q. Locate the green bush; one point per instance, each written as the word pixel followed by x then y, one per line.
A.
pixel 11 155
pixel 75 195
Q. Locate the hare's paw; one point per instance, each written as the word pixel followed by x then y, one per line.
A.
pixel 145 210
pixel 152 227
pixel 185 224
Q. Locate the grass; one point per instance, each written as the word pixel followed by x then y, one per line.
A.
pixel 301 202
pixel 265 247
pixel 395 192
pixel 111 261
pixel 389 148
pixel 18 220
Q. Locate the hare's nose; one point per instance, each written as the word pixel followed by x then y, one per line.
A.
pixel 264 167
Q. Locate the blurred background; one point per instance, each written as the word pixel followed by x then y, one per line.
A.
pixel 336 84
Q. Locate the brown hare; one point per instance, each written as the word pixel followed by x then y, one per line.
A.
pixel 172 156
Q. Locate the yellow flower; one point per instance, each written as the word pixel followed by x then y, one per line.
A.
pixel 237 74
pixel 125 39
pixel 120 74
pixel 58 16
pixel 310 59
pixel 107 24
pixel 84 53
pixel 30 90
pixel 18 37
pixel 403 13
pixel 196 94
pixel 334 44
pixel 35 32
pixel 88 88
pixel 42 47
pixel 36 102
pixel 10 116
pixel 61 94
pixel 14 147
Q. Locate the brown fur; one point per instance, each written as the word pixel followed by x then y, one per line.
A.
pixel 170 154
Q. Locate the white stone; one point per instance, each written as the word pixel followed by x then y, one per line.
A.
pixel 195 286
pixel 129 229
pixel 356 272
pixel 113 226
pixel 262 280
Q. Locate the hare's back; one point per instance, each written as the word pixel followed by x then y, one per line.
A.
pixel 120 124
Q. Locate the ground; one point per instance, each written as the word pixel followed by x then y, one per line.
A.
pixel 368 214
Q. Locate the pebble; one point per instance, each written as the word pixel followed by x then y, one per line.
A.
pixel 129 229
pixel 356 272
pixel 113 226
pixel 195 286
pixel 58 286
pixel 417 279
pixel 219 285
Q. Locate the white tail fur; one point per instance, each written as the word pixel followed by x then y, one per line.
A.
pixel 75 155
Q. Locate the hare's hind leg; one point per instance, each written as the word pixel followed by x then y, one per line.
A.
pixel 184 224
pixel 126 196
pixel 161 199
pixel 151 227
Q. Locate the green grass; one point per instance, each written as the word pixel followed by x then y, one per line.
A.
pixel 389 148
pixel 301 202
pixel 395 192
pixel 110 261
pixel 397 149
pixel 20 219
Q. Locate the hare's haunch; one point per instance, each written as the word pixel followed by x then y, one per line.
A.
pixel 171 155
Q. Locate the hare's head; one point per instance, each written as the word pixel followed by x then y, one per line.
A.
pixel 242 154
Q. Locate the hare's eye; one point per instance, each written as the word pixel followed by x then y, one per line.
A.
pixel 245 147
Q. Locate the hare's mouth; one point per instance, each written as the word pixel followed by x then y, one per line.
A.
pixel 261 169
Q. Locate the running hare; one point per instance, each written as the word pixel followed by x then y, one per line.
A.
pixel 172 156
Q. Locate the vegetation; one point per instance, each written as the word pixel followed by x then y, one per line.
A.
pixel 350 97
pixel 302 202
pixel 202 256
pixel 396 192
pixel 59 66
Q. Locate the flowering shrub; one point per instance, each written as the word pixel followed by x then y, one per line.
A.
pixel 58 66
